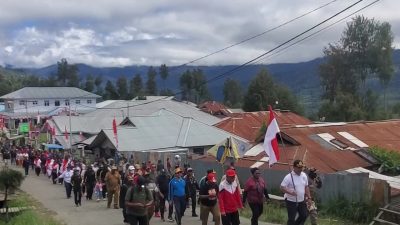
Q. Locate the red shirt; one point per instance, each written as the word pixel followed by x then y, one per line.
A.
pixel 255 190
pixel 229 202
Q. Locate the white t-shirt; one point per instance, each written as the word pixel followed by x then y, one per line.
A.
pixel 300 181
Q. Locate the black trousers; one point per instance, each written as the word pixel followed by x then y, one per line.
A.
pixel 68 189
pixel 89 190
pixel 162 207
pixel 256 211
pixel 193 198
pixel 26 170
pixel 293 208
pixel 54 177
pixel 231 218
pixel 37 171
pixel 104 191
pixel 77 195
pixel 170 210
pixel 137 220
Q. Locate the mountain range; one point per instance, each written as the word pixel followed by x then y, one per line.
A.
pixel 302 78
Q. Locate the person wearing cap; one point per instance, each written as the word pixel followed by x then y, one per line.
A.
pixel 138 199
pixel 177 195
pixel 130 173
pixel 255 193
pixel 231 167
pixel 203 180
pixel 208 197
pixel 76 181
pixel 297 192
pixel 113 181
pixel 192 187
pixel 128 182
pixel 314 183
pixel 66 176
pixel 229 199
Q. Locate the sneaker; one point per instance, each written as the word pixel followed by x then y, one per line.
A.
pixel 104 199
pixel 97 200
pixel 157 214
pixel 170 219
pixel 194 215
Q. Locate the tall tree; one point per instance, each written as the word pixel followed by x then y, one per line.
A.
pixel 73 77
pixel 122 87
pixel 164 74
pixel 62 72
pixel 186 84
pixel 89 83
pixel 263 91
pixel 110 91
pixel 363 52
pixel 136 86
pixel 151 85
pixel 232 93
pixel 194 87
pixel 98 83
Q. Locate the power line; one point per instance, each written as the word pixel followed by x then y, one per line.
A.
pixel 254 59
pixel 254 36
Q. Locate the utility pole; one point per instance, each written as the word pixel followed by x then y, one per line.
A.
pixel 70 127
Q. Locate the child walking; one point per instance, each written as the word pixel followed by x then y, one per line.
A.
pixel 98 189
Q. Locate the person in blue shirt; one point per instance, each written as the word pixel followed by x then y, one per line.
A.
pixel 177 195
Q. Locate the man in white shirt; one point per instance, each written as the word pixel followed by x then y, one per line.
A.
pixel 67 175
pixel 295 187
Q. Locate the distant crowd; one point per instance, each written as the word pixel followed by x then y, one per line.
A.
pixel 147 189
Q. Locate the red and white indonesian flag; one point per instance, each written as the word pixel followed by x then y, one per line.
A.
pixel 114 125
pixel 270 141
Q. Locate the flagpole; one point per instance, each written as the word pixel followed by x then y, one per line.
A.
pixel 287 158
pixel 70 127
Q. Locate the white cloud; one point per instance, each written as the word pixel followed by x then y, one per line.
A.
pixel 125 32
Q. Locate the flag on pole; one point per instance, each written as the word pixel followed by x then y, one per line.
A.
pixel 114 125
pixel 220 151
pixel 270 141
pixel 239 147
pixel 66 133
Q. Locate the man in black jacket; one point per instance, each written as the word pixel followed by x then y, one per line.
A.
pixel 192 187
pixel 162 182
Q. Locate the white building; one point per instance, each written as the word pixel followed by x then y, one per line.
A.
pixel 45 99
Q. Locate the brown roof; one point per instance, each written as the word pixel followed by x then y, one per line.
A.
pixel 248 124
pixel 318 153
pixel 214 108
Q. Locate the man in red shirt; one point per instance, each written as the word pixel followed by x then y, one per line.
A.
pixel 229 199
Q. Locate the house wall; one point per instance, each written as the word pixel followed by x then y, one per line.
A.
pixel 353 187
pixel 13 105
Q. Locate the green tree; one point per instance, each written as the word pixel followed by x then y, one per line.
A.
pixel 164 74
pixel 98 83
pixel 136 86
pixel 151 85
pixel 89 83
pixel 110 91
pixel 73 77
pixel 363 52
pixel 62 72
pixel 232 93
pixel 122 87
pixel 9 180
pixel 193 86
pixel 263 91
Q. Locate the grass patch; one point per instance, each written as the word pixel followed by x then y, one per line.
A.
pixel 37 216
pixel 335 213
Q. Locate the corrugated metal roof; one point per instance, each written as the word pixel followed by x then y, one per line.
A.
pixel 247 125
pixel 148 107
pixel 165 131
pixel 49 93
pixel 315 153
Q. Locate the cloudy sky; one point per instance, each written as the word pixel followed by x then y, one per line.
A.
pixel 38 33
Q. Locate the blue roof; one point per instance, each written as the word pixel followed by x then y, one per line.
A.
pixel 54 146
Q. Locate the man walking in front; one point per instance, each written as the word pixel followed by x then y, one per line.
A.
pixel 229 199
pixel 177 194
pixel 113 181
pixel 297 192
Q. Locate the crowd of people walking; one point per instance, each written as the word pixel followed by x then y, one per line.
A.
pixel 145 190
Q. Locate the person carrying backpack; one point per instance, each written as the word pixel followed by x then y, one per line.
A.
pixel 138 199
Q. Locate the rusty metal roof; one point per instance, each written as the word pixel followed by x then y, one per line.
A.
pixel 214 108
pixel 317 152
pixel 248 124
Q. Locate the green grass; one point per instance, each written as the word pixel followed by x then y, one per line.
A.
pixel 275 213
pixel 37 216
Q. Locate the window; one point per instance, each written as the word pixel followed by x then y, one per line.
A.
pixel 66 102
pixel 198 150
pixel 339 143
pixel 57 103
pixel 34 102
pixel 46 103
pixel 89 101
pixel 77 101
pixel 22 102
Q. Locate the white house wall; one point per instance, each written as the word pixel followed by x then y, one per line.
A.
pixel 40 107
